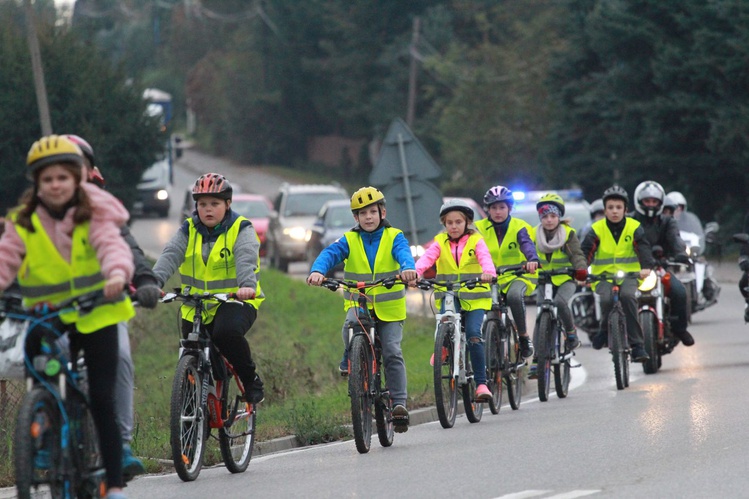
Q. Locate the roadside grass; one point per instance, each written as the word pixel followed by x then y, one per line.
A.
pixel 296 343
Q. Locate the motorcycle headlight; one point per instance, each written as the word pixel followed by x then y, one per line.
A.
pixel 649 283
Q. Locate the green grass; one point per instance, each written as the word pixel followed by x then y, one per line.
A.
pixel 296 343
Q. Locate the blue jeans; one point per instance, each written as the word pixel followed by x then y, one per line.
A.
pixel 472 321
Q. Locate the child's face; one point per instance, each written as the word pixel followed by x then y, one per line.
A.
pixel 56 186
pixel 212 210
pixel 369 217
pixel 455 224
pixel 615 210
pixel 498 212
pixel 550 221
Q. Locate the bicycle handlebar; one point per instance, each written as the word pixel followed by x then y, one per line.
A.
pixel 333 284
pixel 186 296
pixel 12 307
pixel 518 269
pixel 449 285
pixel 611 276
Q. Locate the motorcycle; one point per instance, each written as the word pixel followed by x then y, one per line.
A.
pixel 702 288
pixel 585 306
pixel 743 239
pixel 654 311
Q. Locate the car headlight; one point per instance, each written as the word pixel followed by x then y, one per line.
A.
pixel 295 233
pixel 307 235
pixel 417 251
pixel 162 195
pixel 649 283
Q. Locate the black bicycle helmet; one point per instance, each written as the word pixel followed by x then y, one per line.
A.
pixel 615 192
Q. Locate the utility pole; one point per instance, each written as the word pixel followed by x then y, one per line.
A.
pixel 413 51
pixel 38 70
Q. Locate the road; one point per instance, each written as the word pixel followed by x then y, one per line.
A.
pixel 679 433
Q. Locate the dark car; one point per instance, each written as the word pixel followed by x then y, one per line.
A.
pixel 333 220
pixel 154 190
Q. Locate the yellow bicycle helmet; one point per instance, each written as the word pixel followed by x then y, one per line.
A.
pixel 53 149
pixel 552 198
pixel 366 196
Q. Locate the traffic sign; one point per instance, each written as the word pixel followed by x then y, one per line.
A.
pixel 401 146
pixel 426 201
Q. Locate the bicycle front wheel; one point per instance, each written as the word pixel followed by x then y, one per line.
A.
pixel 90 479
pixel 561 368
pixel 493 365
pixel 188 424
pixel 618 348
pixel 445 379
pixel 37 445
pixel 544 355
pixel 513 378
pixel 237 437
pixel 359 385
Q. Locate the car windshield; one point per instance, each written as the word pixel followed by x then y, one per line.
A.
pixel 251 208
pixel 339 216
pixel 308 204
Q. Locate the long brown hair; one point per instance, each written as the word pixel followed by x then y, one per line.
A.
pixel 29 200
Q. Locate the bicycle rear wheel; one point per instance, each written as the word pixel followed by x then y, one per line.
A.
pixel 513 378
pixel 618 349
pixel 493 365
pixel 37 451
pixel 544 355
pixel 561 368
pixel 649 324
pixel 360 391
pixel 237 437
pixel 474 410
pixel 445 379
pixel 188 420
pixel 383 406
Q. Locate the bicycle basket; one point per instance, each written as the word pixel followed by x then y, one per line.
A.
pixel 12 339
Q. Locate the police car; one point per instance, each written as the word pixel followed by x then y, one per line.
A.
pixel 576 209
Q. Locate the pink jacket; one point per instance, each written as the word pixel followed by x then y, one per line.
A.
pixel 112 251
pixel 456 248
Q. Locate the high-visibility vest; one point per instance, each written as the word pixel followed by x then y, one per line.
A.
pixel 45 277
pixel 469 267
pixel 388 304
pixel 559 259
pixel 218 274
pixel 509 252
pixel 611 255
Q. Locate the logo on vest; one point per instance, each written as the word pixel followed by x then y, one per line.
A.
pixel 472 252
pixel 225 253
pixel 513 245
pixel 627 239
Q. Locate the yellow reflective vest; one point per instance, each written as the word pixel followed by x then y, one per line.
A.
pixel 388 304
pixel 218 274
pixel 559 259
pixel 45 277
pixel 611 256
pixel 468 268
pixel 509 252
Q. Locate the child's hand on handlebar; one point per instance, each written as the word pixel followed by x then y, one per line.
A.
pixel 644 273
pixel 245 293
pixel 531 267
pixel 315 279
pixel 486 277
pixel 408 276
pixel 114 286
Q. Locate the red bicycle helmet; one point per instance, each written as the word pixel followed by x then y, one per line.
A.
pixel 212 184
pixel 86 148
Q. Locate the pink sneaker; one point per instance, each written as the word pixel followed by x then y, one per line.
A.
pixel 444 357
pixel 482 393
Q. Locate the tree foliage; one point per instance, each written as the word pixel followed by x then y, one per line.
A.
pixel 86 96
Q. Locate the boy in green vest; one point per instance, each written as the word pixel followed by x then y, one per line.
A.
pixel 510 242
pixel 616 243
pixel 373 250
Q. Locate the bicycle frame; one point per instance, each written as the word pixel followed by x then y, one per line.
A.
pixel 548 304
pixel 459 338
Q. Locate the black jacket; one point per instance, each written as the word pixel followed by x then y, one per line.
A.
pixel 143 273
pixel 663 231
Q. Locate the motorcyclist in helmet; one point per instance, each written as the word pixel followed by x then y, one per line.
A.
pixel 596 213
pixel 669 206
pixel 664 232
pixel 615 243
pixel 744 266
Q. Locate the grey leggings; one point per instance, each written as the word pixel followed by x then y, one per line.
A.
pixel 515 296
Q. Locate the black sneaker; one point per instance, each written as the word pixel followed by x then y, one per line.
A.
pixel 400 418
pixel 526 347
pixel 571 342
pixel 255 394
pixel 639 354
pixel 686 338
pixel 600 340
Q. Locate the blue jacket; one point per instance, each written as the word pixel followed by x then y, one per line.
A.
pixel 339 251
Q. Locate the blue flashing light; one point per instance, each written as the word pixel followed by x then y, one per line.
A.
pixel 518 195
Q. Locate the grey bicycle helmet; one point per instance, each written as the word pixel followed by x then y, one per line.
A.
pixel 615 192
pixel 596 207
pixel 457 205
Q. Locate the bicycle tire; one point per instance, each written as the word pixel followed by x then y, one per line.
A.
pixel 544 354
pixel 562 369
pixel 445 380
pixel 513 375
pixel 90 479
pixel 383 405
pixel 237 436
pixel 474 410
pixel 38 428
pixel 618 353
pixel 493 365
pixel 649 324
pixel 359 384
pixel 188 421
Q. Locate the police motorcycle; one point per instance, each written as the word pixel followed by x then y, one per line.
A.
pixel 702 287
pixel 654 311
